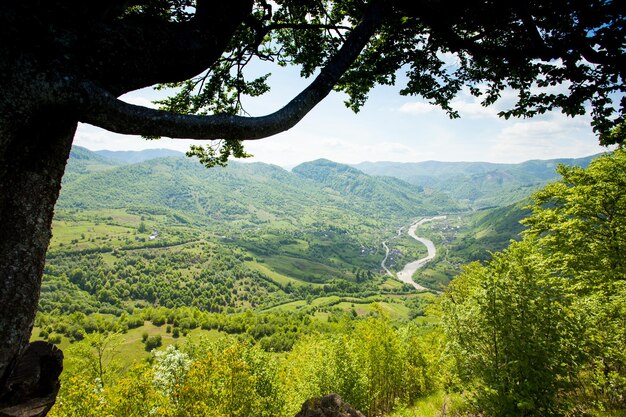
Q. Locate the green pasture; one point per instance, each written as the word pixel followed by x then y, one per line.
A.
pixel 303 269
pixel 279 279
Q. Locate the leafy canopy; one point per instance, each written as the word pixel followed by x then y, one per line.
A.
pixel 554 54
pixel 540 329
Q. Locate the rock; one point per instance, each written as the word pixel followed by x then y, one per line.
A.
pixel 33 384
pixel 329 406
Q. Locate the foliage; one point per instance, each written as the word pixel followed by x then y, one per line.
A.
pixel 170 367
pixel 510 329
pixel 553 55
pixel 580 223
pixel 96 357
pixel 374 367
pixel 153 342
pixel 371 364
pixel 536 331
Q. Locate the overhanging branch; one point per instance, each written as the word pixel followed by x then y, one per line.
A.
pixel 103 109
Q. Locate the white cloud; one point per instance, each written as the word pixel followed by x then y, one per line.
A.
pixel 466 104
pixel 417 107
pixel 473 109
pixel 94 138
pixel 551 136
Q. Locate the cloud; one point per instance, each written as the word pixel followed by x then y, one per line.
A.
pixel 552 136
pixel 94 138
pixel 473 109
pixel 467 105
pixel 417 107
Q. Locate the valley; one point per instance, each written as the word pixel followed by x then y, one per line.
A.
pixel 131 233
pixel 164 252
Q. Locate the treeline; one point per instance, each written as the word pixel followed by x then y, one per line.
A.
pixel 273 331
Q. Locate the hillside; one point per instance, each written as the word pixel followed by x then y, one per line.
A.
pixel 253 193
pixel 250 235
pixel 83 161
pixel 385 194
pixel 170 232
pixel 480 184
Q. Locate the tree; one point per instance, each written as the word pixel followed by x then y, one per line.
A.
pixel 95 357
pixel 580 224
pixel 511 334
pixel 67 61
pixel 541 327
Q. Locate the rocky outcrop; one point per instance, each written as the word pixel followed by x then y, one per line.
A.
pixel 33 384
pixel 329 406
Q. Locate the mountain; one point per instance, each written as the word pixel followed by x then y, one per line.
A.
pixel 83 161
pixel 254 193
pixel 481 184
pixel 491 230
pixel 387 194
pixel 132 157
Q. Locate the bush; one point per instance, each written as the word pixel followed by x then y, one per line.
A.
pixel 159 320
pixel 153 342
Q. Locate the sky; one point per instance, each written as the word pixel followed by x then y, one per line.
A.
pixel 389 127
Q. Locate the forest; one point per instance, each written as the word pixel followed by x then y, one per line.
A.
pixel 194 322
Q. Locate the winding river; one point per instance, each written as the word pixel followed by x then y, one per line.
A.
pixel 409 269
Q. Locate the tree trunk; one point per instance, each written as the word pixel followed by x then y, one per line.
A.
pixel 33 153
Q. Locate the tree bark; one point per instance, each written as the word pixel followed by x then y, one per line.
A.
pixel 34 149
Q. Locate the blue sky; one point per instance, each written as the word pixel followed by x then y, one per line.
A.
pixel 389 128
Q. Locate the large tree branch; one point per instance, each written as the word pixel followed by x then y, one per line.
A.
pixel 105 110
pixel 157 51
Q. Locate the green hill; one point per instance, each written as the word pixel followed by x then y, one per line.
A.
pixel 491 231
pixel 170 232
pixel 383 194
pixel 83 161
pixel 254 193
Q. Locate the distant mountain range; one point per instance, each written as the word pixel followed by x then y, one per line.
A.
pixel 166 178
pixel 133 157
pixel 481 184
pixel 251 192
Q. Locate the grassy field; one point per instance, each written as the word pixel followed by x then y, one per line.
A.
pixel 303 269
pixel 279 279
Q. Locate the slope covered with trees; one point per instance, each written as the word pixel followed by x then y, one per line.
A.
pixel 232 193
pixel 481 184
pixel 539 330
